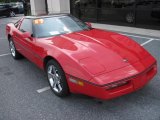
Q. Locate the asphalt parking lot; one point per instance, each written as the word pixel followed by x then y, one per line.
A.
pixel 25 95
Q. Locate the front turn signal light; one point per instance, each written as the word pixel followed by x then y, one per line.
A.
pixel 76 81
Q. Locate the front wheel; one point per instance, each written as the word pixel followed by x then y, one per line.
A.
pixel 15 54
pixel 57 79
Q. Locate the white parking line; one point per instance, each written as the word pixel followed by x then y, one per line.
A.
pixel 2 55
pixel 147 42
pixel 138 36
pixel 43 89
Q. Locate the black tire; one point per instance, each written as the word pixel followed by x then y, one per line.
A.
pixel 16 55
pixel 60 77
pixel 8 15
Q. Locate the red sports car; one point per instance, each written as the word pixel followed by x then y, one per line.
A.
pixel 80 59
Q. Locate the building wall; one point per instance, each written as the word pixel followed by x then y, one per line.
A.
pixel 65 6
pixel 54 6
pixel 38 7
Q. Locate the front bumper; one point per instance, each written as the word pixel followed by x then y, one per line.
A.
pixel 134 83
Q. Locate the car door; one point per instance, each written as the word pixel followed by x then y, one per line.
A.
pixel 25 44
pixel 16 36
pixel 2 10
pixel 29 46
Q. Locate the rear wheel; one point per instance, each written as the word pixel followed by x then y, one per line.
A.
pixel 57 79
pixel 12 14
pixel 15 54
pixel 130 17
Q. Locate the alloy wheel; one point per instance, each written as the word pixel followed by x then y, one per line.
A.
pixel 54 78
pixel 12 49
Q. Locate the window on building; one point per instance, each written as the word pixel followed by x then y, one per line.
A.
pixel 84 9
pixel 82 4
pixel 115 3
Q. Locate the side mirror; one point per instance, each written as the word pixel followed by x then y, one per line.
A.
pixel 89 24
pixel 26 35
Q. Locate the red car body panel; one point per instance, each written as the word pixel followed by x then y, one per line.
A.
pixel 96 57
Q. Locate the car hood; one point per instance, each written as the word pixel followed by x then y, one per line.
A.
pixel 99 51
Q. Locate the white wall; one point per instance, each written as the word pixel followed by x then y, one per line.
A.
pixel 65 6
pixel 54 6
pixel 59 6
pixel 38 7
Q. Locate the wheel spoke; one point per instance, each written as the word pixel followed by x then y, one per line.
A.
pixel 50 75
pixel 50 69
pixel 54 70
pixel 55 84
pixel 51 82
pixel 59 87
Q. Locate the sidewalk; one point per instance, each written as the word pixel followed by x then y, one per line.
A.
pixel 132 30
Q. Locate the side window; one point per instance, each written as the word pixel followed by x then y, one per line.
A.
pixel 26 26
pixel 1 6
pixel 7 6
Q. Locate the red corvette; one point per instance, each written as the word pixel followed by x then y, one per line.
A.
pixel 80 59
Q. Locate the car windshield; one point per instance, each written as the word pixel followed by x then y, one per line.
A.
pixel 53 26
